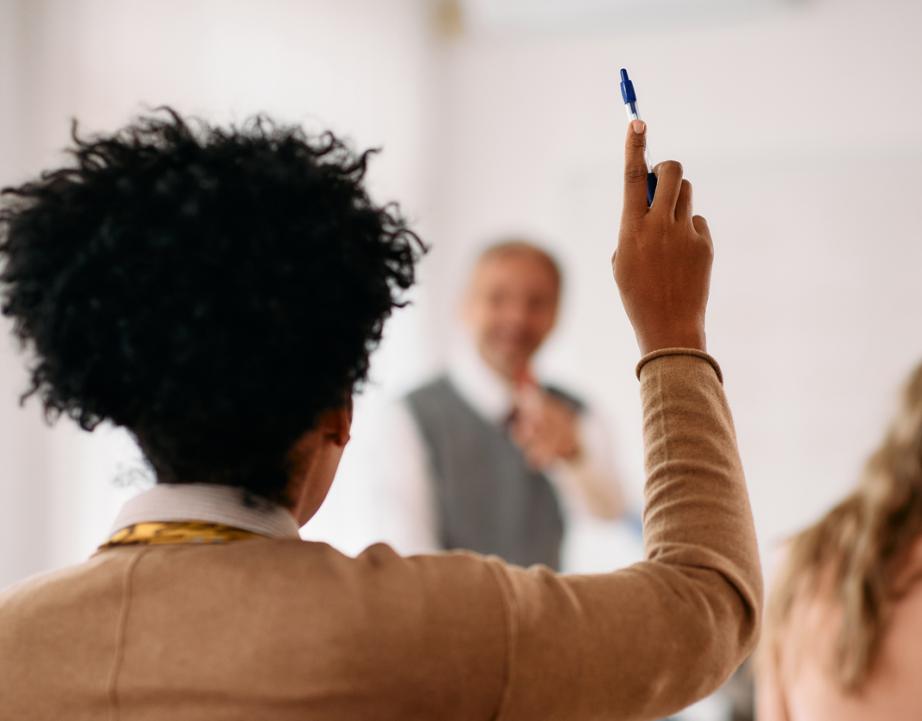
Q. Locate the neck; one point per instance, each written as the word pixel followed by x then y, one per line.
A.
pixel 513 374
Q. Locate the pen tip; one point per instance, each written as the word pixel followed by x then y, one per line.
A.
pixel 624 77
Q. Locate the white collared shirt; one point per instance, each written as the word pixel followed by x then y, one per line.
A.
pixel 206 502
pixel 392 492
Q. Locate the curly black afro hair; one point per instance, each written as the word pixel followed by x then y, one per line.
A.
pixel 212 290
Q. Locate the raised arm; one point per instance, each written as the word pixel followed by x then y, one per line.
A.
pixel 644 642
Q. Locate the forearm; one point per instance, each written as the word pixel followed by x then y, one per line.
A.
pixel 646 641
pixel 698 526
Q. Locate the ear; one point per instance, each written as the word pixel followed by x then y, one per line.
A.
pixel 335 424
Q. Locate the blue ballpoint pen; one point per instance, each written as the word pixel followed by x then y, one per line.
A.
pixel 630 104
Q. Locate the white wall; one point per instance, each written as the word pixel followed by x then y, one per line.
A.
pixel 23 468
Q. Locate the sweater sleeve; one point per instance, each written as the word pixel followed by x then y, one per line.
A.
pixel 643 642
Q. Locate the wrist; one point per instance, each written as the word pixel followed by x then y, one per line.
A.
pixel 692 338
pixel 664 352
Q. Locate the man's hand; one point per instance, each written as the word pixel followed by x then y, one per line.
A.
pixel 663 262
pixel 545 428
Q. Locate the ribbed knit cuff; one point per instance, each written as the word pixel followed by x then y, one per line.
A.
pixel 680 351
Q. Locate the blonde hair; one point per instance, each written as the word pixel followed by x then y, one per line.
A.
pixel 851 556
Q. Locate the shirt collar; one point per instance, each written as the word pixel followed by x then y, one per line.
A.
pixel 485 390
pixel 206 502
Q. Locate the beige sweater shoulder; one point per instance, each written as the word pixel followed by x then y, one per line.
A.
pixel 284 629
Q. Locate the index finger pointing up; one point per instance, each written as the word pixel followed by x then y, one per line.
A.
pixel 635 169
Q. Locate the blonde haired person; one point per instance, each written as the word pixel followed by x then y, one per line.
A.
pixel 844 636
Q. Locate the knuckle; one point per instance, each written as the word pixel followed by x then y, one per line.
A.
pixel 635 175
pixel 671 166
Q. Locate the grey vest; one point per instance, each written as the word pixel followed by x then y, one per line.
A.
pixel 488 499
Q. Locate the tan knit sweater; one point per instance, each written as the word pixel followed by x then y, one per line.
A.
pixel 285 630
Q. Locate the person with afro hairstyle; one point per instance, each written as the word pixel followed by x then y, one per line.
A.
pixel 217 292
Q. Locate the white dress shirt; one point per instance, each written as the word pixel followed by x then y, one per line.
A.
pixel 397 502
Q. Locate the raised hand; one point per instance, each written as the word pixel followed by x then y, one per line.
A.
pixel 663 262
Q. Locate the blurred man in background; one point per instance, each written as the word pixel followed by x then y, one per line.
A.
pixel 485 456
